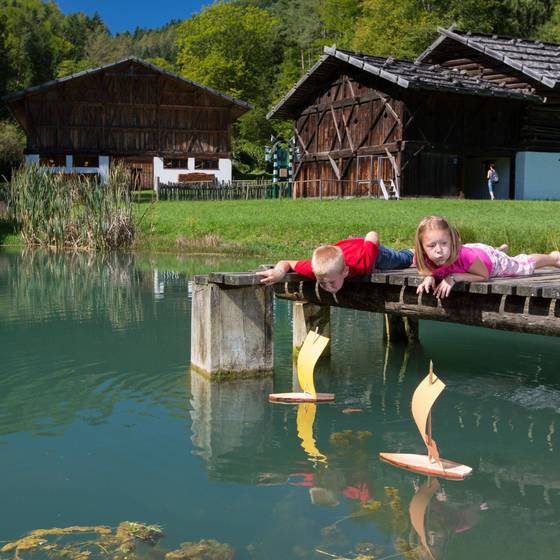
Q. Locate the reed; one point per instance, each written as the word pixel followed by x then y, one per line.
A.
pixel 71 211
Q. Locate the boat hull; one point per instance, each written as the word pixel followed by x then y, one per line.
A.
pixel 300 397
pixel 423 464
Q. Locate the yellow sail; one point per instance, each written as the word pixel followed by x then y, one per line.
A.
pixel 312 348
pixel 305 420
pixel 418 507
pixel 423 399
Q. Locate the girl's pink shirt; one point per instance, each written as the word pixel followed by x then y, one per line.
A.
pixel 465 259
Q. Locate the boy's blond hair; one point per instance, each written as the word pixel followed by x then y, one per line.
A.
pixel 327 259
pixel 440 223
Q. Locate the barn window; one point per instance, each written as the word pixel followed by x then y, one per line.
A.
pixel 206 163
pixel 52 161
pixel 175 163
pixel 86 161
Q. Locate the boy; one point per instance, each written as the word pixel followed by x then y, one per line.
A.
pixel 330 265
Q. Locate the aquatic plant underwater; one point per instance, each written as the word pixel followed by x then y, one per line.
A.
pixel 72 211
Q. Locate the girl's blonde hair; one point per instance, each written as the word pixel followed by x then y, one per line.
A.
pixel 327 259
pixel 423 263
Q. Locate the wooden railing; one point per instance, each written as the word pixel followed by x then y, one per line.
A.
pixel 234 190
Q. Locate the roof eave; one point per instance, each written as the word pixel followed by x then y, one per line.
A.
pixel 498 56
pixel 47 85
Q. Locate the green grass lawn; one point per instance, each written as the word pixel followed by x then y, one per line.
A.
pixel 274 229
pixel 291 229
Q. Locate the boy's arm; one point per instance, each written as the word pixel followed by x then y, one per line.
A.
pixel 276 274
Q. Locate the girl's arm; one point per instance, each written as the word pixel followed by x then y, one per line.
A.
pixel 477 273
pixel 276 274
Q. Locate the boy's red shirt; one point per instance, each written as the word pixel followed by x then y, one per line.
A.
pixel 359 256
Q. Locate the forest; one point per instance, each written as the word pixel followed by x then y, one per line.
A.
pixel 251 49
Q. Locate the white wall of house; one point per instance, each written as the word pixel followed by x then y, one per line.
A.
pixel 103 168
pixel 537 175
pixel 223 173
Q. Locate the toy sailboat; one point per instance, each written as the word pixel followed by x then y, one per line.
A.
pixel 312 348
pixel 423 399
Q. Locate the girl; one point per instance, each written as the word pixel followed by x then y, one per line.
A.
pixel 491 178
pixel 440 255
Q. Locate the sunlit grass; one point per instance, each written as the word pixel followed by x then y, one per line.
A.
pixel 288 228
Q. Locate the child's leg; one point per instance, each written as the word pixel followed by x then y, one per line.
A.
pixel 552 259
pixel 391 259
pixel 490 189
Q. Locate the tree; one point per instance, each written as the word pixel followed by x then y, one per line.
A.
pixel 231 48
pixel 12 142
pixel 401 29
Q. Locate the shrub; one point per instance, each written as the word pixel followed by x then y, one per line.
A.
pixel 72 211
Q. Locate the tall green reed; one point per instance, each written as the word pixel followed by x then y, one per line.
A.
pixel 72 211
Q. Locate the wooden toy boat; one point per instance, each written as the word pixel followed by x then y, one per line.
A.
pixel 423 399
pixel 312 348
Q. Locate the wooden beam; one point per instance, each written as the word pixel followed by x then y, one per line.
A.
pixel 335 167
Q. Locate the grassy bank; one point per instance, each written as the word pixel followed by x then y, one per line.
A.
pixel 281 228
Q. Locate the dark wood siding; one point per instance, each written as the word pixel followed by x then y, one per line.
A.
pixel 126 109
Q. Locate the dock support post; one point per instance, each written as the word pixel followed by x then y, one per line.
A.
pixel 310 317
pixel 231 330
pixel 401 329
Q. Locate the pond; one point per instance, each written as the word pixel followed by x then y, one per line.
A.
pixel 101 422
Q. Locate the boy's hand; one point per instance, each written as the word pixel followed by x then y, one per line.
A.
pixel 428 283
pixel 271 276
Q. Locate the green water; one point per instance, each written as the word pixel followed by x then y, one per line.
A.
pixel 100 422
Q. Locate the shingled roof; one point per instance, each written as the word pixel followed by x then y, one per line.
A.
pixel 536 59
pixel 240 106
pixel 403 73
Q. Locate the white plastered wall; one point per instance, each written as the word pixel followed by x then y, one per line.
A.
pixel 223 173
pixel 103 168
pixel 537 176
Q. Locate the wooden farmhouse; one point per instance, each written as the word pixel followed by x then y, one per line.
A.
pixel 432 126
pixel 164 127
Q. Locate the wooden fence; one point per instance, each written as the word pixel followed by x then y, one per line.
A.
pixel 234 190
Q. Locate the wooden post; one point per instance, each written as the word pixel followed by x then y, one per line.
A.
pixel 231 330
pixel 401 328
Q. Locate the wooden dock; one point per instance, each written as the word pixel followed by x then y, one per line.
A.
pixel 524 304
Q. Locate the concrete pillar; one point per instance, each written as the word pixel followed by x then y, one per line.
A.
pixel 401 329
pixel 231 330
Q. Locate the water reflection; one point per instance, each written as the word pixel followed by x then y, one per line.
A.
pixel 100 422
pixel 229 421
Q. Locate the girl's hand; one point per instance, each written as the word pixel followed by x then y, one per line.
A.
pixel 428 283
pixel 444 287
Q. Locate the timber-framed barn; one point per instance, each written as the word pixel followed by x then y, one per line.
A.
pixel 430 127
pixel 159 124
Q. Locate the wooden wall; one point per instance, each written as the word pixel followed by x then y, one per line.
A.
pixel 124 110
pixel 361 129
pixel 342 137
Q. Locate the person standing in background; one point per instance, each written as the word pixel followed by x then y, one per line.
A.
pixel 491 179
